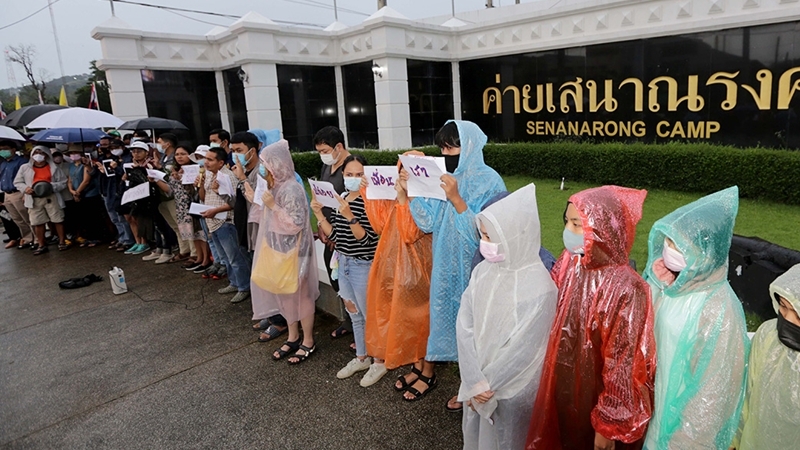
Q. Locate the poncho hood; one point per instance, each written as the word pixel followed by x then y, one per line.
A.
pixel 788 287
pixel 702 232
pixel 609 215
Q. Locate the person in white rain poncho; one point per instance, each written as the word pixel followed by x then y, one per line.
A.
pixel 503 325
pixel 771 413
pixel 284 276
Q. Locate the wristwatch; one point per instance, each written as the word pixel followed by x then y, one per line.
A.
pixel 353 221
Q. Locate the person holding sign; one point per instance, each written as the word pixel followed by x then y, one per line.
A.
pixel 469 184
pixel 284 279
pixel 142 210
pixel 329 143
pixel 349 229
pixel 398 311
pixel 223 232
pixel 188 225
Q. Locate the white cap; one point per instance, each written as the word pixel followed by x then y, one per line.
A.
pixel 139 144
pixel 199 153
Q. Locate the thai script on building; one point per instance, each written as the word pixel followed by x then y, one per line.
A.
pixel 571 95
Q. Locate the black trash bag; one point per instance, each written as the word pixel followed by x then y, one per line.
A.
pixel 75 283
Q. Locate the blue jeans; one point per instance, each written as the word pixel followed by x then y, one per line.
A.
pixel 124 233
pixel 218 258
pixel 238 264
pixel 353 275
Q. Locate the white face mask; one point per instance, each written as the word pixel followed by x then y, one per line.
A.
pixel 214 145
pixel 160 148
pixel 327 159
pixel 38 157
pixel 673 259
pixel 117 152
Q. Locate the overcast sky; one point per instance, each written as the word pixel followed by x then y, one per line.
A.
pixel 76 18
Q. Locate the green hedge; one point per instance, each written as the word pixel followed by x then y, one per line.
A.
pixel 703 168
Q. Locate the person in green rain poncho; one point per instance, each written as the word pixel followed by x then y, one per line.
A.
pixel 701 335
pixel 771 413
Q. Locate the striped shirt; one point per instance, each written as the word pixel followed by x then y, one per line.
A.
pixel 215 200
pixel 342 234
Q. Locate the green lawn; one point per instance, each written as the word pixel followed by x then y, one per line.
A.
pixel 773 222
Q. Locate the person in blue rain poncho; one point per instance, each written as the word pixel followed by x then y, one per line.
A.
pixel 269 137
pixel 701 336
pixel 455 241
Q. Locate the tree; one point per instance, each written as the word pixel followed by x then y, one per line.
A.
pixel 83 93
pixel 24 55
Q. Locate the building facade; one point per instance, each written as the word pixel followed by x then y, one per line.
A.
pixel 710 70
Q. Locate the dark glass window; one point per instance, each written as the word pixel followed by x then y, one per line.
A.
pixel 188 97
pixel 237 106
pixel 308 102
pixel 430 98
pixel 359 103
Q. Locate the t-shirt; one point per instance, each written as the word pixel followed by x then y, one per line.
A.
pixel 42 174
pixel 342 233
pixel 337 180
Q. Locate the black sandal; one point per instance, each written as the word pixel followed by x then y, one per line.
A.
pixel 272 332
pixel 306 354
pixel 402 379
pixel 431 383
pixel 293 346
pixel 339 332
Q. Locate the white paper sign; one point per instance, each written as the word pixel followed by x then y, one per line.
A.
pixel 107 168
pixel 381 182
pixel 225 186
pixel 190 173
pixel 128 166
pixel 261 188
pixel 325 193
pixel 424 176
pixel 156 174
pixel 198 208
pixel 136 193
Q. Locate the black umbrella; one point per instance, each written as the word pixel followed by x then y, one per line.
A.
pixel 23 116
pixel 152 123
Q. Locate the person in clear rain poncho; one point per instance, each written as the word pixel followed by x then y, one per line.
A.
pixel 597 382
pixel 469 184
pixel 284 275
pixel 503 325
pixel 701 336
pixel 771 412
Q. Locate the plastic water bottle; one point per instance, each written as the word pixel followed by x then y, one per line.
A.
pixel 117 277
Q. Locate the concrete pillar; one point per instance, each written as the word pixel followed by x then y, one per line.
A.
pixel 342 112
pixel 391 98
pixel 261 96
pixel 456 91
pixel 127 93
pixel 222 98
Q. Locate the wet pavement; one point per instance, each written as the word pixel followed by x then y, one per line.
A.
pixel 173 364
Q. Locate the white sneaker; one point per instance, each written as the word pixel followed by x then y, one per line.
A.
pixel 230 289
pixel 376 372
pixel 152 256
pixel 354 366
pixel 164 258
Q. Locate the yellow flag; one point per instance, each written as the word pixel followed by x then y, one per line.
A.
pixel 17 105
pixel 62 99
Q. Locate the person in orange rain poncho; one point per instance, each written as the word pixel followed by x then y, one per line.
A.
pixel 598 379
pixel 398 289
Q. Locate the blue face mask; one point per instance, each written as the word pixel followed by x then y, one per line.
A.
pixel 573 242
pixel 241 158
pixel 352 184
pixel 262 171
pixel 5 154
pixel 201 162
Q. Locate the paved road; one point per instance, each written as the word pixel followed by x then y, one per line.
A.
pixel 172 364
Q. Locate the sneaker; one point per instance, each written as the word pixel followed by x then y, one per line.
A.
pixel 230 289
pixel 142 248
pixel 210 272
pixel 164 258
pixel 240 296
pixel 201 268
pixel 154 255
pixel 221 273
pixel 376 372
pixel 354 366
pixel 190 265
pixel 132 249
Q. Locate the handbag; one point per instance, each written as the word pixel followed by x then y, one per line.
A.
pixel 275 271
